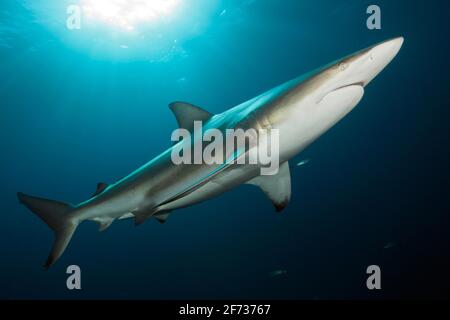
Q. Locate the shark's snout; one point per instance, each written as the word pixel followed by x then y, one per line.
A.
pixel 378 57
pixel 383 53
pixel 360 68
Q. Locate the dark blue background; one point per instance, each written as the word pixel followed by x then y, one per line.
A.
pixel 68 121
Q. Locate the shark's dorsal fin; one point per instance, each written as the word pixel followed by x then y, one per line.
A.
pixel 101 186
pixel 162 217
pixel 187 113
pixel 277 187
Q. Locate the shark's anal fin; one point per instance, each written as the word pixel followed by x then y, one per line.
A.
pixel 104 223
pixel 277 187
pixel 162 217
pixel 101 186
pixel 187 113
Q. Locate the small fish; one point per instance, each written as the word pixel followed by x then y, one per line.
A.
pixel 277 273
pixel 302 163
pixel 390 245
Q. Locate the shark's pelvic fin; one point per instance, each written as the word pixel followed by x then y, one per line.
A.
pixel 162 217
pixel 126 216
pixel 101 186
pixel 277 187
pixel 187 113
pixel 143 214
pixel 57 216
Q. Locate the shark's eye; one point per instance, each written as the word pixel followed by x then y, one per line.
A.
pixel 342 66
pixel 371 57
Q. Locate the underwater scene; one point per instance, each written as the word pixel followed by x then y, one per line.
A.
pixel 92 91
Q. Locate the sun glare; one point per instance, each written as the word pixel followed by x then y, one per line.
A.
pixel 127 14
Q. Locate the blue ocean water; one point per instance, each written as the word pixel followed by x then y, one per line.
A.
pixel 82 106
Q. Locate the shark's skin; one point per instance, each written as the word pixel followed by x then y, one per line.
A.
pixel 301 109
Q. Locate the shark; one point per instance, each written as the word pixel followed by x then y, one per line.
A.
pixel 301 110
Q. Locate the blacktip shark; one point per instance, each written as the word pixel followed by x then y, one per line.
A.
pixel 301 109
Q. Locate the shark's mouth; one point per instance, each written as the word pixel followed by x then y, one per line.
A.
pixel 359 84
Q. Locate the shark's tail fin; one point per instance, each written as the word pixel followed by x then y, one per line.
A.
pixel 57 215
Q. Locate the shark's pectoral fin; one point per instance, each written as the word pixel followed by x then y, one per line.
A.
pixel 187 113
pixel 101 186
pixel 277 187
pixel 143 214
pixel 162 217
